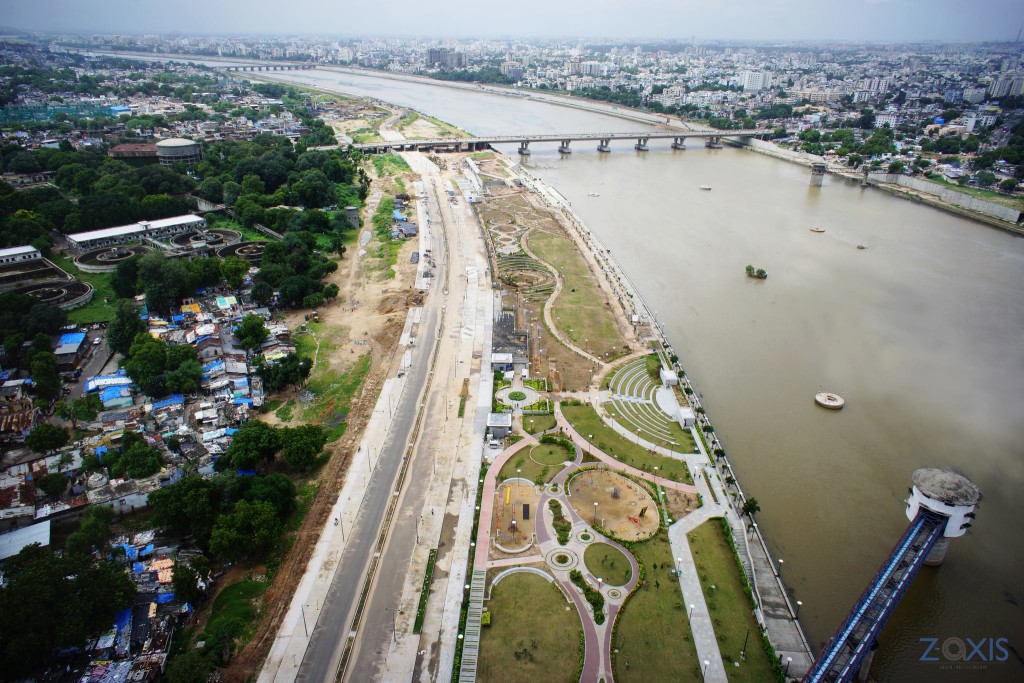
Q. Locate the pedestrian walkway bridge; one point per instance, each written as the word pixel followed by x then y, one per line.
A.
pixel 844 653
pixel 713 139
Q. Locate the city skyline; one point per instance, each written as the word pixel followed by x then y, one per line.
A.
pixel 785 20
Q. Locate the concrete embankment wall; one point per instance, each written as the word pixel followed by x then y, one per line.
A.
pixel 773 150
pixel 948 194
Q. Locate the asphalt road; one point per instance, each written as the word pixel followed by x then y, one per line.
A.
pixel 329 635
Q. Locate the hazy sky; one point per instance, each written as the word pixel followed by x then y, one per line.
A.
pixel 952 20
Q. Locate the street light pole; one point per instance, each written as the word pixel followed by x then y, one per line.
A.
pixel 798 606
pixel 691 611
pixel 595 514
pixel 704 673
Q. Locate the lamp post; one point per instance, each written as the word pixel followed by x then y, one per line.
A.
pixel 779 572
pixel 798 606
pixel 704 673
pixel 600 583
pixel 679 565
pixel 691 611
pixel 519 474
pixel 595 514
pixel 789 660
pixel 745 643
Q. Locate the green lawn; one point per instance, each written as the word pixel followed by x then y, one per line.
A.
pixel 332 394
pixel 652 632
pixel 532 636
pixel 579 311
pixel 543 461
pixel 728 603
pixel 236 603
pixel 586 421
pixel 389 164
pixel 96 311
pixel 538 423
pixel 607 562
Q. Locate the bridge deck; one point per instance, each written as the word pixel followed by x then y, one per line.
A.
pixel 563 137
pixel 842 656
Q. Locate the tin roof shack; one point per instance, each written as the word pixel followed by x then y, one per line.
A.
pixel 17 412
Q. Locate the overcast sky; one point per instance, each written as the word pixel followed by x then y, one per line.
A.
pixel 886 20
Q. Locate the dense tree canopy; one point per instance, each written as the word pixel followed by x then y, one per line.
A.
pixel 52 602
pixel 160 368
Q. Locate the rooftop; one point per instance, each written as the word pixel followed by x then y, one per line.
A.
pixel 946 486
pixel 14 251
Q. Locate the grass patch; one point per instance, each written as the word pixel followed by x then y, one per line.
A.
pixel 285 412
pixel 97 310
pixel 728 602
pixel 305 493
pixel 332 395
pixel 538 464
pixel 652 632
pixel 528 633
pixel 425 591
pixel 272 406
pixel 534 424
pixel 389 164
pixel 462 406
pixel 580 310
pixel 587 422
pixel 233 611
pixel 609 563
pixel 364 134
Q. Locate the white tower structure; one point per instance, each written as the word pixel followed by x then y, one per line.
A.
pixel 948 494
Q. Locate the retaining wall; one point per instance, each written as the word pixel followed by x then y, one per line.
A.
pixel 948 194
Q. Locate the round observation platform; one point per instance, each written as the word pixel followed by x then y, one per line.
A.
pixel 105 259
pixel 827 399
pixel 201 239
pixel 174 150
pixel 250 251
pixel 943 494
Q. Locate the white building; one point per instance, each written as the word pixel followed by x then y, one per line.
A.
pixel 157 230
pixel 755 80
pixel 19 254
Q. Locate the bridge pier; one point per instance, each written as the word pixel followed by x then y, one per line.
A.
pixel 564 147
pixel 714 142
pixel 524 148
pixel 817 173
pixel 603 145
pixel 678 143
pixel 641 145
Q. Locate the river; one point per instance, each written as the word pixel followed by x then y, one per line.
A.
pixel 921 332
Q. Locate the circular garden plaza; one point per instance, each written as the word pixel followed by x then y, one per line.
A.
pixel 602 547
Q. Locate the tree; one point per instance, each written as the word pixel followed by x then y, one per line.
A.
pixel 276 489
pixel 1009 185
pixel 253 444
pixel 251 331
pixel 896 167
pixel 43 319
pixel 146 364
pixel 188 667
pixel 81 409
pixel 331 291
pixel 314 300
pixel 314 189
pixel 338 245
pixel 249 530
pixel 189 506
pixel 125 327
pixel 751 507
pixel 302 445
pixel 126 277
pixel 136 459
pixel 93 531
pixel 185 581
pixel 986 178
pixel 262 293
pixel 45 378
pixel 71 599
pixel 234 270
pixel 52 484
pixel 46 438
pixel 286 371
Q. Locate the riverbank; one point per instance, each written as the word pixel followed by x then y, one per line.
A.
pixel 775 610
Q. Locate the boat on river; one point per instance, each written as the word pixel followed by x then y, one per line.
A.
pixel 817 228
pixel 705 187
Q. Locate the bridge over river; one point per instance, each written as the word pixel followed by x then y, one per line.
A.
pixel 713 138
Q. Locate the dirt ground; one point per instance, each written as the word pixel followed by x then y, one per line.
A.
pixel 368 309
pixel 620 503
pixel 680 503
pixel 518 493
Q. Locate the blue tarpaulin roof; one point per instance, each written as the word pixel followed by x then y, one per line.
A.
pixel 147 550
pixel 164 598
pixel 138 567
pixel 111 393
pixel 243 401
pixel 230 431
pixel 71 339
pixel 172 400
pixel 247 473
pixel 177 318
pixel 209 367
pixel 123 619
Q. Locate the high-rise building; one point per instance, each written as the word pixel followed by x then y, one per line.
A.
pixel 755 80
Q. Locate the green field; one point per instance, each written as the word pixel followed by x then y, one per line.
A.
pixel 96 310
pixel 579 311
pixel 652 632
pixel 389 164
pixel 538 423
pixel 333 393
pixel 607 562
pixel 532 636
pixel 543 461
pixel 233 610
pixel 586 421
pixel 728 603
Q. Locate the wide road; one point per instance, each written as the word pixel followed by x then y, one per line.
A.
pixel 330 634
